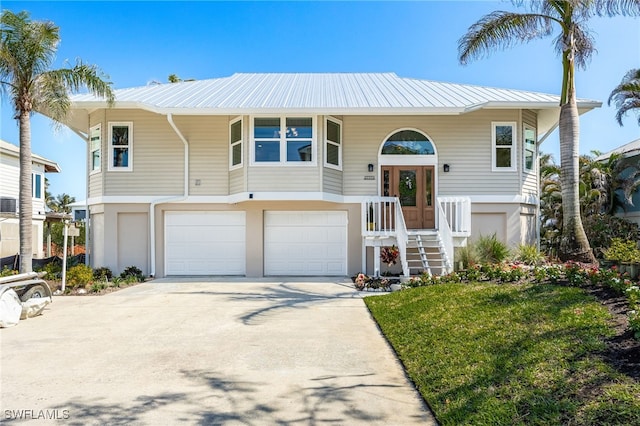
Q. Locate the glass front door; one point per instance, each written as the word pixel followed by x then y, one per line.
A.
pixel 414 187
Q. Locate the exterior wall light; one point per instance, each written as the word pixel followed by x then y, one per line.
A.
pixel 446 168
pixel 370 167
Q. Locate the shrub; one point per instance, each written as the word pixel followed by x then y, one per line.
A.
pixel 7 272
pixel 132 271
pixel 622 251
pixel 79 275
pixel 529 255
pixel 491 250
pixel 103 274
pixel 466 257
pixel 602 228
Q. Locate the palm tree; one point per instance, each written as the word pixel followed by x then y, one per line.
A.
pixel 61 203
pixel 626 95
pixel 502 29
pixel 27 51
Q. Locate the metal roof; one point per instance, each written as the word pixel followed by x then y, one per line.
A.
pixel 358 93
pixel 627 150
pixel 7 148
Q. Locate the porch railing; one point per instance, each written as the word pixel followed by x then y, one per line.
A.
pixel 382 217
pixel 457 211
pixel 446 238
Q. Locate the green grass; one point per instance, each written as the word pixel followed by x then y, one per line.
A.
pixel 487 354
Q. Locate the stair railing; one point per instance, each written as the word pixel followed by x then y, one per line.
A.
pixel 446 237
pixel 382 217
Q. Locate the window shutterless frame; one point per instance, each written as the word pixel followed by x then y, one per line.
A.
pixel 95 148
pixel 120 153
pixel 333 143
pixel 37 185
pixel 236 145
pixel 529 148
pixel 504 146
pixel 288 141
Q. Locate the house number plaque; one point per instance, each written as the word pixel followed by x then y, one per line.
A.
pixel 369 178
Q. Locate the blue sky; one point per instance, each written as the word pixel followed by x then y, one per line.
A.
pixel 135 43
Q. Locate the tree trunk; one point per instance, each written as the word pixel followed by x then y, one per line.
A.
pixel 25 202
pixel 574 244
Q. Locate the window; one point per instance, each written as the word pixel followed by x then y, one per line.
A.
pixel 408 142
pixel 235 139
pixel 36 185
pixel 333 144
pixel 120 146
pixel 283 140
pixel 529 148
pixel 503 144
pixel 95 144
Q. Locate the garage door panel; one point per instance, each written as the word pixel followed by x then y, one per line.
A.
pixel 305 243
pixel 205 243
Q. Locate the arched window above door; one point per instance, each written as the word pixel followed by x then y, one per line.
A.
pixel 408 142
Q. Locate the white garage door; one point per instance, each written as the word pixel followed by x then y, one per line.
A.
pixel 205 243
pixel 305 243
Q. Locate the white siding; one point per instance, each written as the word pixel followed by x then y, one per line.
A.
pixel 463 142
pixel 9 176
pixel 158 157
pixel 332 181
pixel 208 139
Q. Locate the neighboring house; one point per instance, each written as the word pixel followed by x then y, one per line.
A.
pixel 9 194
pixel 308 174
pixel 631 153
pixel 79 211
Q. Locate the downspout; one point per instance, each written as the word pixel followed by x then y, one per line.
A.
pixel 154 203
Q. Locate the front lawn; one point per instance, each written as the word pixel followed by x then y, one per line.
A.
pixel 488 354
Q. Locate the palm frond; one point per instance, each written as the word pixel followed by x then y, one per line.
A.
pixel 626 95
pixel 501 29
pixel 616 7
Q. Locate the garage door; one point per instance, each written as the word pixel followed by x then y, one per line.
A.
pixel 205 243
pixel 305 243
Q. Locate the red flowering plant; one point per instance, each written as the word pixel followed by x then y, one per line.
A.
pixel 389 255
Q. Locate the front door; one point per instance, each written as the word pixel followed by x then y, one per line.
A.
pixel 413 185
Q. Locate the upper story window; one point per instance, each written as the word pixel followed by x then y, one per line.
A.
pixel 529 149
pixel 408 142
pixel 333 143
pixel 37 187
pixel 95 147
pixel 503 146
pixel 235 140
pixel 121 146
pixel 283 140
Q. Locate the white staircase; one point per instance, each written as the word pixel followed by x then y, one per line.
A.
pixel 426 253
pixel 421 251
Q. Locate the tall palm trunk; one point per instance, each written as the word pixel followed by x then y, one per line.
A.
pixel 574 244
pixel 26 203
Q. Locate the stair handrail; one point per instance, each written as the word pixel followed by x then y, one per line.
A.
pixel 379 221
pixel 447 238
pixel 402 236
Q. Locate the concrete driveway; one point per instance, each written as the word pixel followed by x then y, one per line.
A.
pixel 292 352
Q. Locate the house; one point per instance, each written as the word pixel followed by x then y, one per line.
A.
pixel 9 194
pixel 78 211
pixel 308 174
pixel 630 153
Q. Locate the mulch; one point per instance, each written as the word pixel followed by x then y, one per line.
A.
pixel 623 350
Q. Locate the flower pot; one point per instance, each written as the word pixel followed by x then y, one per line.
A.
pixel 623 267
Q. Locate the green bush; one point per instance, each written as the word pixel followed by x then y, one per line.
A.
pixel 79 275
pixel 491 250
pixel 602 228
pixel 103 274
pixel 529 255
pixel 466 257
pixel 132 274
pixel 622 251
